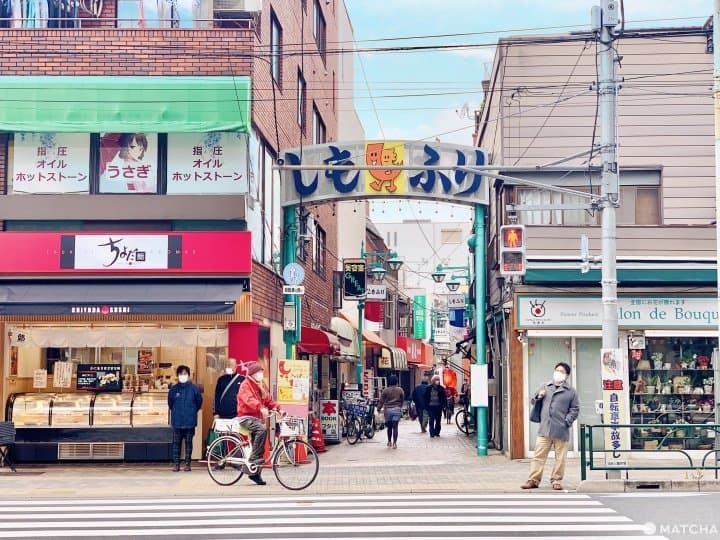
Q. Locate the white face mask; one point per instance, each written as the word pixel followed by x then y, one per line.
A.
pixel 259 376
pixel 183 378
pixel 559 377
pixel 229 370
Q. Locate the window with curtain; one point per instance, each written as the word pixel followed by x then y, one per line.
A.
pixel 164 13
pixel 320 30
pixel 532 196
pixel 301 100
pixel 275 49
pixel 319 254
pixel 319 134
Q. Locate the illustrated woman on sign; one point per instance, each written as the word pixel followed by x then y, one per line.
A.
pixel 125 164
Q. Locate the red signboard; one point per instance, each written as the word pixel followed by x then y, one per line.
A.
pixel 413 349
pixel 48 253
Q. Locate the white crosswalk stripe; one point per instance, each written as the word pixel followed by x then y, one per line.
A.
pixel 358 517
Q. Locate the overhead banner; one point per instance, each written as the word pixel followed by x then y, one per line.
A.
pixel 207 163
pixel 633 311
pixel 51 163
pixel 439 175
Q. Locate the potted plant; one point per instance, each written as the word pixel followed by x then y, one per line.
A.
pixel 708 385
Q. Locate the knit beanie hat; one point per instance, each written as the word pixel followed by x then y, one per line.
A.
pixel 253 368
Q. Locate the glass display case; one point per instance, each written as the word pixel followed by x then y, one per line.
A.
pixel 672 383
pixel 150 409
pixel 30 409
pixel 112 410
pixel 71 410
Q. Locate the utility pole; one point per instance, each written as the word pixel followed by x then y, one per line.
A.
pixel 716 78
pixel 607 90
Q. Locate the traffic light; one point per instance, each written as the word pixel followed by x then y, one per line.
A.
pixel 512 250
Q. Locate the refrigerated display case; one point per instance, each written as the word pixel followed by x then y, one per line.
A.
pixel 90 426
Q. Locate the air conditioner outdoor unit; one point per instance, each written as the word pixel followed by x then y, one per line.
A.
pixel 237 8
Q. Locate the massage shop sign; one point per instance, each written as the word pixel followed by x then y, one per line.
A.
pixel 637 312
pixel 51 163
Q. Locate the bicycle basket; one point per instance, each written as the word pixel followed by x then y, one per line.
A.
pixel 292 426
pixel 357 409
pixel 225 425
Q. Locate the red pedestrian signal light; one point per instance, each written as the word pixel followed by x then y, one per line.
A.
pixel 512 250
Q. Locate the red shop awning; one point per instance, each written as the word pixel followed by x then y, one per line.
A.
pixel 315 341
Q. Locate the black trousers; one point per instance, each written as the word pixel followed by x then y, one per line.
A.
pixel 180 435
pixel 435 414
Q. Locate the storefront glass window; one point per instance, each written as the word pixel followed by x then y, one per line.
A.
pixel 543 354
pixel 672 382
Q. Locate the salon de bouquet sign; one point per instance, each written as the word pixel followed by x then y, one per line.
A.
pixel 547 311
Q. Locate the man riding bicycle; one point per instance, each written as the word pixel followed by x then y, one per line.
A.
pixel 253 405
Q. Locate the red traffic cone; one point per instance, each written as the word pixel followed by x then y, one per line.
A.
pixel 317 439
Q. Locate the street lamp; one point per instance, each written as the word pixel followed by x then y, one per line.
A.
pixel 453 285
pixel 377 272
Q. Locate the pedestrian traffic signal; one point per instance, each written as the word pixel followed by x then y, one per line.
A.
pixel 512 250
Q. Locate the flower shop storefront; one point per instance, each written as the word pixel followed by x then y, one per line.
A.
pixel 668 367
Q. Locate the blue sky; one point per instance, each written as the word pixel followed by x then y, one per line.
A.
pixel 453 78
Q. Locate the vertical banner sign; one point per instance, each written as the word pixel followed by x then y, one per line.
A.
pixel 62 374
pixel 354 287
pixel 330 419
pixel 617 440
pixel 419 331
pixel 368 380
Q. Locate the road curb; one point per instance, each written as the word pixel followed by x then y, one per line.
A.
pixel 645 486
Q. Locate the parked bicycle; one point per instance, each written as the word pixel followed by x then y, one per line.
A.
pixel 294 461
pixel 361 420
pixel 465 417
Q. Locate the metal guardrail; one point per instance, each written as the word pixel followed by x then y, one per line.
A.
pixel 694 463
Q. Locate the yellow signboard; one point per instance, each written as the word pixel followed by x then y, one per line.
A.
pixel 293 382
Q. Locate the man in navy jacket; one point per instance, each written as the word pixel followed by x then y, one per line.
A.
pixel 184 401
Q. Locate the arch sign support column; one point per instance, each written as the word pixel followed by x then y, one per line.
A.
pixel 416 170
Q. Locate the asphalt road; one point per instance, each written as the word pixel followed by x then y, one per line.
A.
pixel 677 516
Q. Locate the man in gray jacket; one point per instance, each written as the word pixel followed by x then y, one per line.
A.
pixel 560 409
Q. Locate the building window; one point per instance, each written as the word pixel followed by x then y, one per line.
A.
pixel 337 289
pixel 389 312
pixel 301 100
pixel 320 30
pixel 154 14
pixel 275 49
pixel 319 253
pixel 319 135
pixel 303 235
pixel 639 205
pixel 451 236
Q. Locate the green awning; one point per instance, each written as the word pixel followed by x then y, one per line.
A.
pixel 124 104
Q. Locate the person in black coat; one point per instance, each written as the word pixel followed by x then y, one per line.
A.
pixel 435 403
pixel 418 397
pixel 184 401
pixel 226 390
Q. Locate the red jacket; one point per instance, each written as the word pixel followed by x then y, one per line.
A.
pixel 251 399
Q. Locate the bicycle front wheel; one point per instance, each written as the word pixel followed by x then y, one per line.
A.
pixel 224 460
pixel 296 464
pixel 353 431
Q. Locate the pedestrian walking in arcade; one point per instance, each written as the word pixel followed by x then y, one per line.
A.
pixel 391 401
pixel 435 403
pixel 418 397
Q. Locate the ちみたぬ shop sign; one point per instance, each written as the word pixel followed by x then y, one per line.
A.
pixel 545 311
pixel 415 170
pixel 51 163
pixel 213 162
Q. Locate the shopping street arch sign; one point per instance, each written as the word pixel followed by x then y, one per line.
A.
pixel 383 169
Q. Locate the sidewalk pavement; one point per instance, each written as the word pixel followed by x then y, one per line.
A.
pixel 448 463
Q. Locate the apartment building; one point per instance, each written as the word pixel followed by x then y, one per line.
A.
pixel 541 106
pixel 139 209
